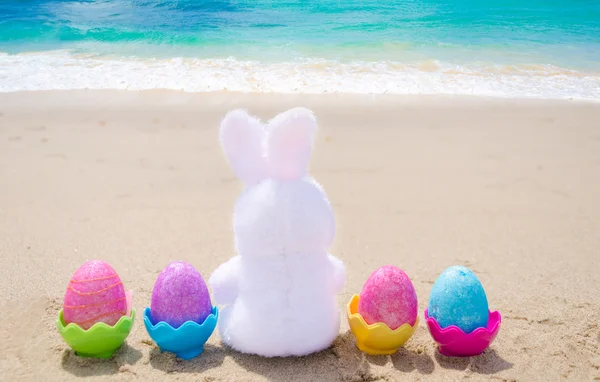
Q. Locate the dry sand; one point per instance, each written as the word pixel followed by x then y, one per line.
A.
pixel 508 188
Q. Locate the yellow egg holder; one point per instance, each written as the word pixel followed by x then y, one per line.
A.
pixel 378 338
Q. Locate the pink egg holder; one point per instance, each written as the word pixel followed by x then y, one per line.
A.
pixel 453 342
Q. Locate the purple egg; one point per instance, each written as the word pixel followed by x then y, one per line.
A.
pixel 179 295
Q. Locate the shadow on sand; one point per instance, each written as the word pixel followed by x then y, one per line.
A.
pixel 87 367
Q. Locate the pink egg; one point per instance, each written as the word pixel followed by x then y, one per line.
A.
pixel 95 294
pixel 388 296
pixel 179 295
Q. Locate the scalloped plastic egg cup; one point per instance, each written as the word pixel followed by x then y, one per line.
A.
pixel 187 341
pixel 378 338
pixel 99 341
pixel 454 342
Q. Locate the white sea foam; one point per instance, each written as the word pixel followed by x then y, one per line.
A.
pixel 63 70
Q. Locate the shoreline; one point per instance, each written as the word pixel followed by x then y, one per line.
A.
pixel 64 71
pixel 396 97
pixel 505 187
pixel 89 97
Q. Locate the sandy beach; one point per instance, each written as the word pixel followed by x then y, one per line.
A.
pixel 508 188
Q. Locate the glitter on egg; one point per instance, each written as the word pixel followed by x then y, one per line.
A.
pixel 179 295
pixel 95 294
pixel 388 296
pixel 458 298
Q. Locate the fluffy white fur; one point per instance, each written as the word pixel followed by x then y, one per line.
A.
pixel 278 295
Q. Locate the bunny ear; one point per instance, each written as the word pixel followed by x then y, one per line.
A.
pixel 242 139
pixel 289 142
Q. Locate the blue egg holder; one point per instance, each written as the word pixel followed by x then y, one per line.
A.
pixel 188 340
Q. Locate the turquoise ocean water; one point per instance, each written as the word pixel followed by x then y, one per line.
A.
pixel 510 48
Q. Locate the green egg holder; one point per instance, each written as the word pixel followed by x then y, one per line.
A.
pixel 99 341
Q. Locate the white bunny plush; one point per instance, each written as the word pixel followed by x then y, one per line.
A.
pixel 279 293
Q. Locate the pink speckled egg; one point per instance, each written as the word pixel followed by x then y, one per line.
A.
pixel 179 295
pixel 388 296
pixel 94 294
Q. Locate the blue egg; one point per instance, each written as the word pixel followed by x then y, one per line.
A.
pixel 457 298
